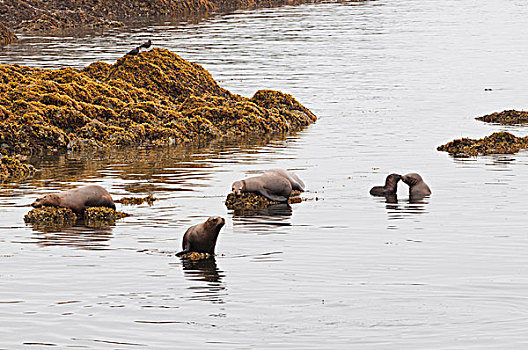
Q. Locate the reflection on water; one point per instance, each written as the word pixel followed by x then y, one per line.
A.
pixel 390 81
pixel 74 237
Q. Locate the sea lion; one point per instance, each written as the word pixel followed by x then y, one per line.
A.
pixel 296 183
pixel 201 238
pixel 390 188
pixel 270 185
pixel 77 199
pixel 417 186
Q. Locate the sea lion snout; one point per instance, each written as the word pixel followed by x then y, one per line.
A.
pixel 237 187
pixel 217 220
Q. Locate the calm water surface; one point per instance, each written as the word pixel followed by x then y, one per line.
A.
pixel 390 81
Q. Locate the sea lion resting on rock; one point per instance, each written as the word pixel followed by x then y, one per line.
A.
pixel 390 188
pixel 202 238
pixel 417 186
pixel 77 199
pixel 270 185
pixel 296 183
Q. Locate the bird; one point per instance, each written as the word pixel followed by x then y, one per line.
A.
pixel 146 44
pixel 134 51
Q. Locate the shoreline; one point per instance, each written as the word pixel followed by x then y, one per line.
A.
pixel 34 16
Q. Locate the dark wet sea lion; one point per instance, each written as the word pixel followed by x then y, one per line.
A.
pixel 390 188
pixel 202 238
pixel 296 183
pixel 77 199
pixel 417 186
pixel 270 185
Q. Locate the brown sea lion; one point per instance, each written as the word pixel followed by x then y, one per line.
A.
pixel 296 183
pixel 202 238
pixel 77 199
pixel 417 186
pixel 270 185
pixel 390 188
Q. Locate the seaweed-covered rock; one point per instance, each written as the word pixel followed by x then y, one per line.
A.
pixel 249 200
pixel 13 168
pixel 137 200
pixel 51 217
pixel 102 216
pixel 6 36
pixel 510 117
pixel 497 143
pixel 197 256
pixel 38 15
pixel 154 98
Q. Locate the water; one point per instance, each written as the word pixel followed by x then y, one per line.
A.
pixel 390 81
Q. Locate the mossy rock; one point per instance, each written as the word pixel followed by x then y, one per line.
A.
pixel 13 168
pixel 249 200
pixel 195 256
pixel 6 36
pixel 509 117
pixel 102 216
pixel 155 98
pixel 497 143
pixel 137 200
pixel 51 217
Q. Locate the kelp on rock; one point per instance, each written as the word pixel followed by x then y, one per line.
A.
pixel 155 98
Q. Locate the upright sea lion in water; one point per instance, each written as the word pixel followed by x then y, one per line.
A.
pixel 296 183
pixel 417 186
pixel 202 238
pixel 390 188
pixel 77 199
pixel 270 185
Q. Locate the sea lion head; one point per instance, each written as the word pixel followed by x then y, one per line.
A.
pixel 411 179
pixel 49 200
pixel 215 222
pixel 238 187
pixel 392 181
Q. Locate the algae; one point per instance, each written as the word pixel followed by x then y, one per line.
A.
pixel 6 36
pixel 57 217
pixel 152 99
pixel 497 143
pixel 12 168
pixel 508 117
pixel 102 216
pixel 249 200
pixel 197 256
pixel 137 200
pixel 51 217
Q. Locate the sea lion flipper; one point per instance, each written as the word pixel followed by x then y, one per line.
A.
pixel 185 251
pixel 272 196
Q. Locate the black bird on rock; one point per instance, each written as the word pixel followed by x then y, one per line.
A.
pixel 146 44
pixel 134 51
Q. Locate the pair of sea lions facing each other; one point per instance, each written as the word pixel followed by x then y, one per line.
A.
pixel 417 186
pixel 274 184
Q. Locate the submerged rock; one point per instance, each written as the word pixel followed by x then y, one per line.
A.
pixel 510 117
pixel 137 200
pixel 102 216
pixel 197 256
pixel 497 143
pixel 13 168
pixel 51 217
pixel 248 200
pixel 56 217
pixel 154 98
